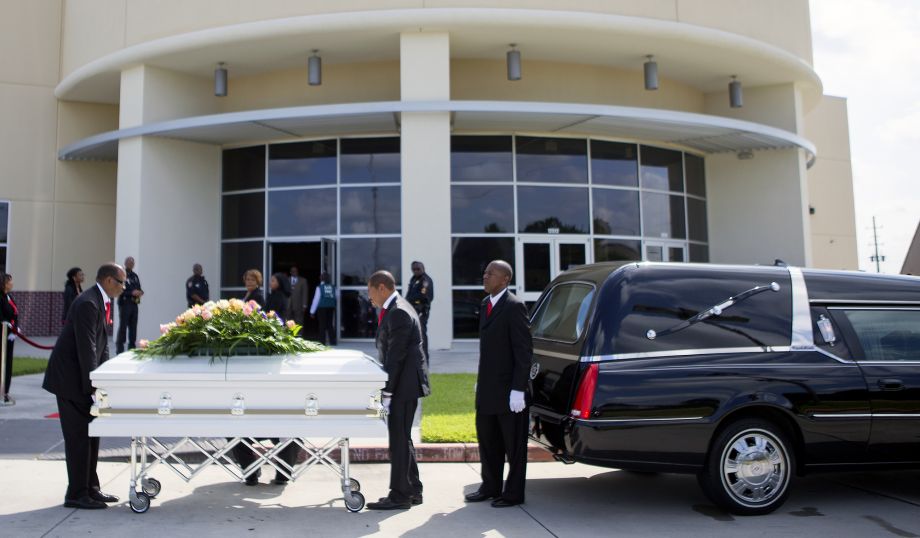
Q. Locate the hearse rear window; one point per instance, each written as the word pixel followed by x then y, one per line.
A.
pixel 562 316
pixel 662 304
pixel 887 335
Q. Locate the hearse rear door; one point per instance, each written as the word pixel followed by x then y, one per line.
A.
pixel 558 326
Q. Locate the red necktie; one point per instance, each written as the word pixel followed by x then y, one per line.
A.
pixel 108 313
pixel 380 316
pixel 489 308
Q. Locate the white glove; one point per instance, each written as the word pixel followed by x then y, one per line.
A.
pixel 385 402
pixel 516 401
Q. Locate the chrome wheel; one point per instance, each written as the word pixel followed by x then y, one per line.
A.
pixel 755 468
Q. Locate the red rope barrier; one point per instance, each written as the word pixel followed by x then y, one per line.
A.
pixel 30 342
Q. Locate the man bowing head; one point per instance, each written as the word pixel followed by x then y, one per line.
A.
pixel 82 346
pixel 399 349
pixel 505 356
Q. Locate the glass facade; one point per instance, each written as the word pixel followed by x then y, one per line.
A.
pixel 622 198
pixel 624 201
pixel 341 189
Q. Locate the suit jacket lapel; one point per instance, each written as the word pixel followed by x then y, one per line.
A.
pixel 488 318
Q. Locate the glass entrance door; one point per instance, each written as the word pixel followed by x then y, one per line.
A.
pixel 665 251
pixel 541 259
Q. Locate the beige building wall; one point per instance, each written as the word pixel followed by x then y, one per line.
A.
pixel 93 28
pixel 830 187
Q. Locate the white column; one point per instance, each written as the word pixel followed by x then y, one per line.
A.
pixel 168 201
pixel 425 76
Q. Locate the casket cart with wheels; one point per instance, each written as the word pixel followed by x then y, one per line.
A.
pixel 186 414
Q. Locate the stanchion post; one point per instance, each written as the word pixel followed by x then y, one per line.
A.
pixel 4 330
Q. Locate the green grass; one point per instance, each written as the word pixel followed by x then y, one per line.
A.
pixel 448 415
pixel 28 365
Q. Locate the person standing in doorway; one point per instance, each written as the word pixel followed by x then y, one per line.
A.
pixel 9 314
pixel 399 350
pixel 298 303
pixel 196 287
pixel 128 303
pixel 505 357
pixel 81 348
pixel 323 308
pixel 420 295
pixel 72 289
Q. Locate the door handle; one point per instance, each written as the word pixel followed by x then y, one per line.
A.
pixel 890 384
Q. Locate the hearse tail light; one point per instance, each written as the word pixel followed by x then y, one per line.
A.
pixel 584 398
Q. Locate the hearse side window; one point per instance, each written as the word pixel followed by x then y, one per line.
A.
pixel 563 315
pixel 887 335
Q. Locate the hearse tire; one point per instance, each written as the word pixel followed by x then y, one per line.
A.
pixel 749 468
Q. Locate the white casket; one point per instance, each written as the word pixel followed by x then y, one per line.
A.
pixel 326 394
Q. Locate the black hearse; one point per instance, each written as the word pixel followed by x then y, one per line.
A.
pixel 742 375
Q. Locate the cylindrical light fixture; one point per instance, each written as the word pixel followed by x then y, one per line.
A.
pixel 220 80
pixel 315 69
pixel 514 63
pixel 651 73
pixel 734 93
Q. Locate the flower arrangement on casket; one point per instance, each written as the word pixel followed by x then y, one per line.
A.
pixel 225 328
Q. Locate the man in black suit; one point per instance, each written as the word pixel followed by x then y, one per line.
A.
pixel 502 389
pixel 399 347
pixel 82 346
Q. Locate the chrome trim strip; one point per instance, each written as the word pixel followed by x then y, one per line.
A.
pixel 801 314
pixel 829 354
pixel 863 301
pixel 558 355
pixel 634 420
pixel 841 415
pixel 764 366
pixel 896 415
pixel 685 352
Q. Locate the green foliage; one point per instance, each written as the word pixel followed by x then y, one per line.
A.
pixel 28 365
pixel 225 328
pixel 448 415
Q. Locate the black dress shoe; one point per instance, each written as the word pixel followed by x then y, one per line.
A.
pixel 387 503
pixel 501 502
pixel 478 497
pixel 253 479
pixel 280 481
pixel 416 500
pixel 85 502
pixel 97 495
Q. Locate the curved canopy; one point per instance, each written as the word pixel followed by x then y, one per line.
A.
pixel 700 132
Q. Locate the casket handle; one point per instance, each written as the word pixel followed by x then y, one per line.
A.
pixel 165 407
pixel 100 402
pixel 311 408
pixel 239 406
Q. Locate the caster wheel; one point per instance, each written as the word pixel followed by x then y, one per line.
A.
pixel 355 503
pixel 140 503
pixel 355 485
pixel 151 487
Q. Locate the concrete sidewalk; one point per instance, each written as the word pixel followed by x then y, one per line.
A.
pixel 562 501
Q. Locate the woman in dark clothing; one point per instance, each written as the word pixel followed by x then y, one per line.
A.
pixel 9 313
pixel 278 295
pixel 244 456
pixel 72 289
pixel 252 279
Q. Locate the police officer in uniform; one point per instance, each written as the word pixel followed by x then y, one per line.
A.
pixel 323 309
pixel 127 308
pixel 420 294
pixel 196 287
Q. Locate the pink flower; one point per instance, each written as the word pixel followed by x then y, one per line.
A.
pixel 206 314
pixel 143 343
pixel 247 310
pixel 290 324
pixel 253 305
pixel 164 328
